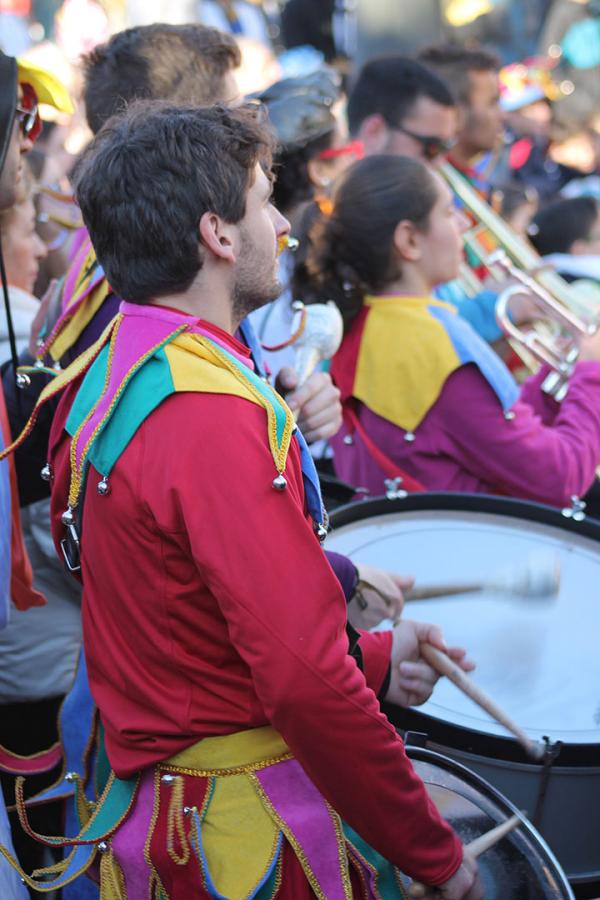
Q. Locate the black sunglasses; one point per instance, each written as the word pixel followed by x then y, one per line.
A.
pixel 432 146
pixel 26 119
pixel 28 113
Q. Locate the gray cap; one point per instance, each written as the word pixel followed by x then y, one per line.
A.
pixel 300 109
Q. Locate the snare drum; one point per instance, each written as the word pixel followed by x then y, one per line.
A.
pixel 520 866
pixel 539 661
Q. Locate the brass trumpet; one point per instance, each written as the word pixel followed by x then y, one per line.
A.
pixel 558 347
pixel 567 313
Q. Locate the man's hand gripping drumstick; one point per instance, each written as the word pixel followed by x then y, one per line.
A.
pixel 472 851
pixel 445 666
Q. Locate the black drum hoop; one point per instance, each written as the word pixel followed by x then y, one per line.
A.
pixel 456 502
pixel 426 755
pixel 439 731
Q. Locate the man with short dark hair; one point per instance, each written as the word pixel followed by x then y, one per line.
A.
pixel 236 721
pixel 398 106
pixel 181 63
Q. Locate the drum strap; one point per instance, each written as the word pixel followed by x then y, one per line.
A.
pixel 387 465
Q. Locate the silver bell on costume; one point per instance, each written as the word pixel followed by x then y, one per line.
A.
pixel 103 487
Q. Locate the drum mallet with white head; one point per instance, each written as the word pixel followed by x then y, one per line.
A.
pixel 538 578
pixel 320 337
pixel 445 666
pixel 475 848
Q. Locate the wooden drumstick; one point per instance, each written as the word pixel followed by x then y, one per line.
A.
pixel 475 848
pixel 445 666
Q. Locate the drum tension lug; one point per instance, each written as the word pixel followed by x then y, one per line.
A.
pixel 393 491
pixel 576 511
pixel 415 739
pixel 551 752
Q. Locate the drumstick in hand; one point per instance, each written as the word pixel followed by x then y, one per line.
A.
pixel 538 578
pixel 475 848
pixel 445 666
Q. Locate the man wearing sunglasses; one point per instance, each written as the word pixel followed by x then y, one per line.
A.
pixel 14 139
pixel 397 106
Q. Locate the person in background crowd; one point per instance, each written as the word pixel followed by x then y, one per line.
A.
pixel 472 76
pixel 516 204
pixel 38 649
pixel 185 63
pixel 424 397
pixel 23 250
pixel 313 147
pixel 396 105
pixel 241 18
pixel 327 25
pixel 18 117
pixel 566 234
pixel 531 156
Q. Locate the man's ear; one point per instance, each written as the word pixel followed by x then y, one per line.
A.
pixel 218 237
pixel 406 243
pixel 374 133
pixel 318 173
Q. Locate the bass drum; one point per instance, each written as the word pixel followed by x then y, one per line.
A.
pixel 520 866
pixel 539 661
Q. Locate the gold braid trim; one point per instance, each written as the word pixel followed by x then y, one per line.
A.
pixel 39 886
pixel 175 824
pixel 278 876
pixel 246 769
pixel 112 880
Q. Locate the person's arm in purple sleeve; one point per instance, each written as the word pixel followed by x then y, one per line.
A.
pixel 543 404
pixel 345 571
pixel 371 652
pixel 522 456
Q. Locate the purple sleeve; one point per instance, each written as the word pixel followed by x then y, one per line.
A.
pixel 542 404
pixel 345 572
pixel 522 455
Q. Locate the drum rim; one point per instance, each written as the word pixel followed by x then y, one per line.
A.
pixel 502 748
pixel 459 502
pixel 425 754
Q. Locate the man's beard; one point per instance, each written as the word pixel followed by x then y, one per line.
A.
pixel 254 286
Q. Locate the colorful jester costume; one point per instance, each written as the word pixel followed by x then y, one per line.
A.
pixel 239 730
pixel 426 399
